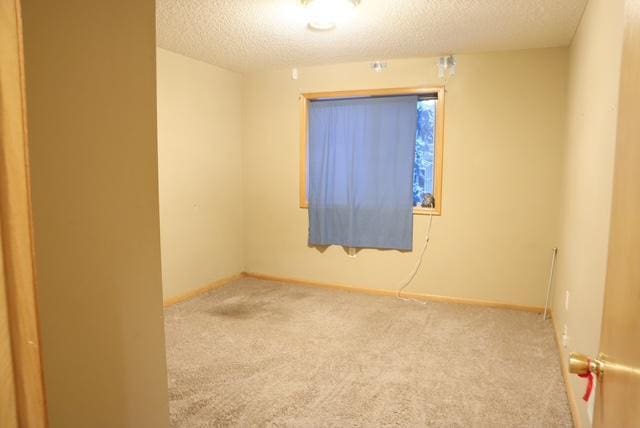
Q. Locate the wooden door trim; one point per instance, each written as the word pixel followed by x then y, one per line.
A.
pixel 8 410
pixel 566 377
pixel 16 225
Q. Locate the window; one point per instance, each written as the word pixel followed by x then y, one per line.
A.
pixel 427 169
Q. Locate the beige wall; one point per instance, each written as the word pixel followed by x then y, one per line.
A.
pixel 503 136
pixel 90 77
pixel 594 69
pixel 200 172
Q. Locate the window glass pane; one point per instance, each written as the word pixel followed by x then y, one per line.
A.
pixel 424 168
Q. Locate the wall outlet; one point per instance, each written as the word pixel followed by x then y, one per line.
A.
pixel 566 300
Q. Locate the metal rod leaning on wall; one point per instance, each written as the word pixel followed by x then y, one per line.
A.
pixel 554 256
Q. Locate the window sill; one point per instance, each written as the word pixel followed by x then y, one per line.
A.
pixel 416 210
pixel 425 211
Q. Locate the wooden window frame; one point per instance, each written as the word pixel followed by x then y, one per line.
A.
pixel 306 98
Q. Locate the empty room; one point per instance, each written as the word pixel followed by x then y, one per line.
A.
pixel 320 213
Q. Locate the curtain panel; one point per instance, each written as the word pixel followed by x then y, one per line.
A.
pixel 360 165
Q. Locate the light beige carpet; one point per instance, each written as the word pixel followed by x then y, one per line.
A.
pixel 262 354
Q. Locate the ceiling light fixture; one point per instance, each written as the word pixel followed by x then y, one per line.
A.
pixel 324 14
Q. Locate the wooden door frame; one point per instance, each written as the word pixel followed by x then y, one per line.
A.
pixel 16 225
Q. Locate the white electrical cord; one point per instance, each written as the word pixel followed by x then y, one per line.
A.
pixel 414 272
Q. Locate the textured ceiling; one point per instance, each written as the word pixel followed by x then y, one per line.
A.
pixel 250 35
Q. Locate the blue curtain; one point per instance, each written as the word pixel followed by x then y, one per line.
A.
pixel 361 154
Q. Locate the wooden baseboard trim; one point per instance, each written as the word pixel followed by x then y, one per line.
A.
pixel 392 293
pixel 197 292
pixel 350 289
pixel 566 376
